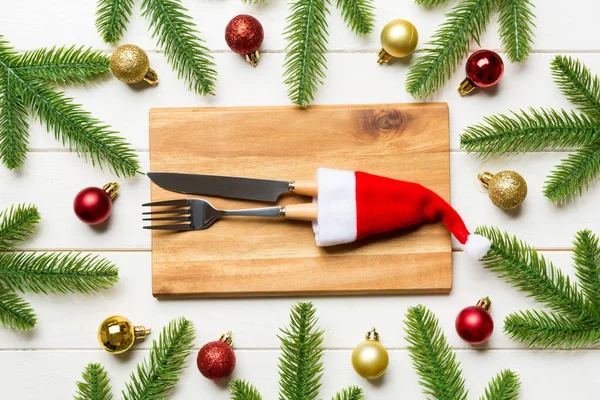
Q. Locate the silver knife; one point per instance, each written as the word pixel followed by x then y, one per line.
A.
pixel 231 186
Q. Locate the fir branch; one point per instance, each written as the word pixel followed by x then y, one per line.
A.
pixel 577 83
pixel 539 328
pixel 521 265
pixel 305 62
pixel 300 366
pixel 586 255
pixel 440 374
pixel 430 3
pixel 158 374
pixel 350 393
pixel 63 65
pixel 15 313
pixel 448 46
pixel 574 174
pixel 112 17
pixel 56 272
pixel 14 135
pixel 16 224
pixel 182 45
pixel 358 14
pixel 243 390
pixel 77 129
pixel 95 385
pixel 516 28
pixel 505 386
pixel 529 131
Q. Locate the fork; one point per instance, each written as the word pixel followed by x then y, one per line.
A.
pixel 200 214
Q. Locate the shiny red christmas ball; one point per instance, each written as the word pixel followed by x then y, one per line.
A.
pixel 216 360
pixel 484 68
pixel 244 34
pixel 474 324
pixel 92 205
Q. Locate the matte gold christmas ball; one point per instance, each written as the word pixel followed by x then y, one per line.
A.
pixel 370 359
pixel 117 334
pixel 130 64
pixel 507 189
pixel 399 38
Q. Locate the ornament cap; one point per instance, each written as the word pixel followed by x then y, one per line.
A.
pixel 372 335
pixel 151 77
pixel 485 178
pixel 485 303
pixel 111 189
pixel 466 87
pixel 252 58
pixel 227 338
pixel 140 332
pixel 384 56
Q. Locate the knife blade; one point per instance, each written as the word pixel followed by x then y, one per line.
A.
pixel 231 187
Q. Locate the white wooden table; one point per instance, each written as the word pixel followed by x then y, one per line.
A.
pixel 45 363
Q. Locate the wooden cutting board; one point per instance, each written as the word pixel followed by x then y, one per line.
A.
pixel 252 257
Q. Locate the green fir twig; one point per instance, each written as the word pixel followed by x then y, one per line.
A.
pixel 504 386
pixel 16 224
pixel 95 385
pixel 358 14
pixel 577 83
pixel 14 127
pixel 15 313
pixel 243 390
pixel 112 17
pixel 430 3
pixel 516 28
pixel 350 393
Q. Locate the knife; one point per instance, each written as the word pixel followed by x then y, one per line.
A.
pixel 231 187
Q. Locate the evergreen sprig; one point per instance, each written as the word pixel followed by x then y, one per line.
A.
pixel 516 28
pixel 349 393
pixel 157 375
pixel 15 313
pixel 431 3
pixel 112 17
pixel 574 317
pixel 358 15
pixel 536 130
pixel 16 224
pixel 243 390
pixel 95 385
pixel 14 127
pixel 439 372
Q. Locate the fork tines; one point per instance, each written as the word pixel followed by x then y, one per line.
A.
pixel 176 214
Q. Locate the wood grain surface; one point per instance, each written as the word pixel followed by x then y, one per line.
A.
pixel 262 257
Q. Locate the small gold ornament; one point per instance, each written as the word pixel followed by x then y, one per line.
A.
pixel 370 359
pixel 130 64
pixel 117 334
pixel 507 189
pixel 399 38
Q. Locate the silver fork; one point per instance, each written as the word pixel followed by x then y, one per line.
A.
pixel 200 214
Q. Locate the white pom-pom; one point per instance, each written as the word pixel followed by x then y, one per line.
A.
pixel 477 246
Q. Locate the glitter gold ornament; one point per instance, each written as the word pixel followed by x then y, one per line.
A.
pixel 130 64
pixel 117 334
pixel 370 359
pixel 399 38
pixel 507 189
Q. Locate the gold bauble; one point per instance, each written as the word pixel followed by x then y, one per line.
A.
pixel 399 38
pixel 507 189
pixel 370 359
pixel 130 64
pixel 117 334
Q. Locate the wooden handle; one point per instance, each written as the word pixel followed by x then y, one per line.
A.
pixel 302 212
pixel 306 188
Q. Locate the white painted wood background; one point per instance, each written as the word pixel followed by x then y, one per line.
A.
pixel 45 363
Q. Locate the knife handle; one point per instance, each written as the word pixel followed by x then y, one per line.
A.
pixel 306 188
pixel 302 212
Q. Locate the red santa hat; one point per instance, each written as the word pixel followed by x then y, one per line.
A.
pixel 355 205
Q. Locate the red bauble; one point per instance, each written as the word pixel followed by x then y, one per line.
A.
pixel 216 360
pixel 93 205
pixel 244 34
pixel 474 324
pixel 484 69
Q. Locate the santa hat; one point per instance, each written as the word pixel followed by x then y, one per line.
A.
pixel 355 205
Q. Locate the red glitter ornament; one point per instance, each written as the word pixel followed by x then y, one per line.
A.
pixel 474 324
pixel 93 205
pixel 484 69
pixel 244 34
pixel 216 360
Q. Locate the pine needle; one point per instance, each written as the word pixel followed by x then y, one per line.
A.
pixel 578 84
pixel 300 365
pixel 56 272
pixel 448 46
pixel 178 37
pixel 112 17
pixel 243 390
pixel 95 385
pixel 63 65
pixel 430 3
pixel 16 224
pixel 305 62
pixel 439 372
pixel 158 374
pixel 358 14
pixel 505 386
pixel 516 28
pixel 586 255
pixel 350 393
pixel 15 313
pixel 14 135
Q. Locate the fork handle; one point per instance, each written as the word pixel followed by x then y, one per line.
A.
pixel 302 212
